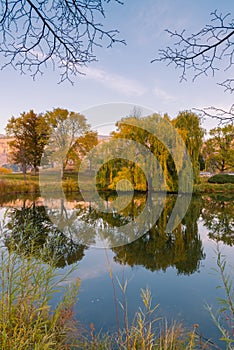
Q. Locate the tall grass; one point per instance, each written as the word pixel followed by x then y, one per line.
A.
pixel 150 332
pixel 224 318
pixel 27 320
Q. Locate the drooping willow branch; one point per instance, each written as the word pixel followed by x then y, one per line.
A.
pixel 63 33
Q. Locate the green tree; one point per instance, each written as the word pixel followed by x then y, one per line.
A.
pixel 66 128
pixel 167 148
pixel 219 149
pixel 30 132
pixel 139 131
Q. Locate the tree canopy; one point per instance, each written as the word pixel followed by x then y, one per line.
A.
pixel 30 132
pixel 49 137
pixel 189 126
pixel 167 150
pixel 66 127
pixel 218 150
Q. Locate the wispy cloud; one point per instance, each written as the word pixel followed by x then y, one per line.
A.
pixel 153 19
pixel 163 95
pixel 116 82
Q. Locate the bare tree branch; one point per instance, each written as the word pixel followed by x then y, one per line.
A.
pixel 223 117
pixel 204 52
pixel 62 33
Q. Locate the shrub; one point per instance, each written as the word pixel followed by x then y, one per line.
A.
pixel 221 179
pixel 5 170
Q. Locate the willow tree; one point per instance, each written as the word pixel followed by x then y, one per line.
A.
pixel 189 126
pixel 139 131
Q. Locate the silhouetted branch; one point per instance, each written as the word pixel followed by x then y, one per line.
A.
pixel 61 32
pixel 228 85
pixel 224 117
pixel 203 51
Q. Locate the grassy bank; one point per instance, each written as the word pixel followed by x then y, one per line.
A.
pixel 15 184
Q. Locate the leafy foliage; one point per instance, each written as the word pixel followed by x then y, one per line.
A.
pixel 167 151
pixel 218 150
pixel 30 132
pixel 66 127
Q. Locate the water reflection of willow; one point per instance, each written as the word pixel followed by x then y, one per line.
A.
pixel 31 227
pixel 217 215
pixel 156 250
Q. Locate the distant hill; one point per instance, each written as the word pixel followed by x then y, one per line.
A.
pixel 4 149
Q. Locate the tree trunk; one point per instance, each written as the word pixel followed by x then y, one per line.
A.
pixel 24 171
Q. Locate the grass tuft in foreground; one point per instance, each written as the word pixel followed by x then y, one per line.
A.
pixel 27 320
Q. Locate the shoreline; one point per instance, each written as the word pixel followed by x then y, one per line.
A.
pixel 14 184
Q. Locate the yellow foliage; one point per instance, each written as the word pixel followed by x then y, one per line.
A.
pixel 5 170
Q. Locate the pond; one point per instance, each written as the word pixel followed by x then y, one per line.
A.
pixel 177 266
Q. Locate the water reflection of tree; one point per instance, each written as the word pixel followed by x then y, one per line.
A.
pixel 158 250
pixel 218 218
pixel 113 227
pixel 30 228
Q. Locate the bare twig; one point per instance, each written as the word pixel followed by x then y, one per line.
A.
pixel 203 51
pixel 63 33
pixel 223 116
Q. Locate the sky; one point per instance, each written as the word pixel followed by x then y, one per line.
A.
pixel 123 76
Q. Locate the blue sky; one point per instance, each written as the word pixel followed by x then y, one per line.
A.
pixel 124 73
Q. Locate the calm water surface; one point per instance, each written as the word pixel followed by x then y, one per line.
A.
pixel 177 267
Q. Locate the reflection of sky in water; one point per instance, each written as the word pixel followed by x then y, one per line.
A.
pixel 181 297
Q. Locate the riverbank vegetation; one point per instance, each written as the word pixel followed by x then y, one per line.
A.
pixel 63 139
pixel 16 184
pixel 27 319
